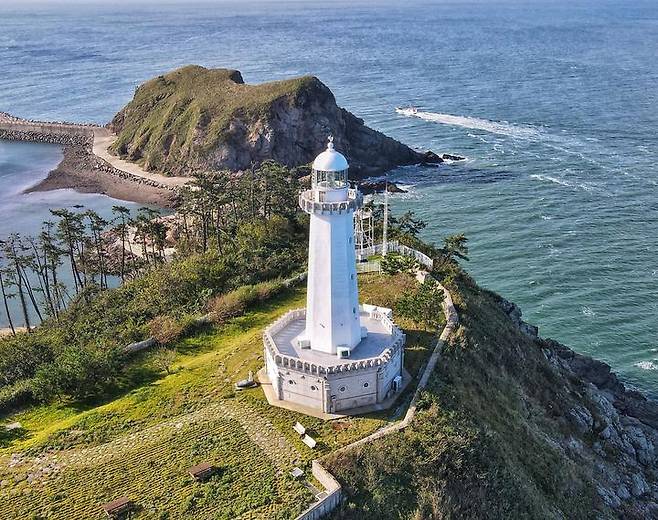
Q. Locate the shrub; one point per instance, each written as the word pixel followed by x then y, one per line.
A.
pixel 424 305
pixel 79 373
pixel 394 263
pixel 235 303
pixel 16 395
pixel 165 329
pixel 163 358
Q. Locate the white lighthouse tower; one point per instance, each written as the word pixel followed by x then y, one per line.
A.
pixel 334 356
pixel 332 305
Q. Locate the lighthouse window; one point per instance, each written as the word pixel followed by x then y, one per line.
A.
pixel 366 385
pixel 342 388
pixel 331 180
pixel 353 310
pixel 349 240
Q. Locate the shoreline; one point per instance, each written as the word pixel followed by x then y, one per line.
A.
pixel 77 172
pixel 88 166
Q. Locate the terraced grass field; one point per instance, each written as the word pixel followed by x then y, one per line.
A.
pixel 70 458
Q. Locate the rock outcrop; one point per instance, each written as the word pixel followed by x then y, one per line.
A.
pixel 196 119
pixel 615 428
pixel 510 426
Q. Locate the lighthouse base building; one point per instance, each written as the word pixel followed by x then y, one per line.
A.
pixel 335 356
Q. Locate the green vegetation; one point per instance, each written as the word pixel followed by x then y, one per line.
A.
pixel 139 441
pixel 179 118
pixel 478 447
pixel 233 232
pixel 422 305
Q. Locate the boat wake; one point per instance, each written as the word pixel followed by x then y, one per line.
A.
pixel 474 123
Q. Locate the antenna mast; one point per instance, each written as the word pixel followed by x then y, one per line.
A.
pixel 385 232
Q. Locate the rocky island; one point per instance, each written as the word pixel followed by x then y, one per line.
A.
pixel 196 119
pixel 193 120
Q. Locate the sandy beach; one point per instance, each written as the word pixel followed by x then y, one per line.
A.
pixel 77 171
pixel 88 166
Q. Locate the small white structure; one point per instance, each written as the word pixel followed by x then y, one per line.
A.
pixel 334 355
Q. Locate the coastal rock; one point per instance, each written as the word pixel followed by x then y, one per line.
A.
pixel 452 157
pixel 514 313
pixel 370 187
pixel 196 119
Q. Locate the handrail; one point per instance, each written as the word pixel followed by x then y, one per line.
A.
pixel 309 205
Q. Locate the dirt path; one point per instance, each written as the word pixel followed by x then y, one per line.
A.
pixel 103 139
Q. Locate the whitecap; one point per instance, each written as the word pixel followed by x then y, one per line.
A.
pixel 587 311
pixel 554 180
pixel 646 365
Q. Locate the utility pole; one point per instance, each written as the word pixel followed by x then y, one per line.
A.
pixel 385 232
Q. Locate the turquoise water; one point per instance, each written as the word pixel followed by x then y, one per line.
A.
pixel 553 103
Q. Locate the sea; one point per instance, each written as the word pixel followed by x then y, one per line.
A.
pixel 554 104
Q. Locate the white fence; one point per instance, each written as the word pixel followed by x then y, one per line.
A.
pixel 368 267
pixel 394 247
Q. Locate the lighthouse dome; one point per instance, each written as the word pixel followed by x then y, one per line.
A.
pixel 330 160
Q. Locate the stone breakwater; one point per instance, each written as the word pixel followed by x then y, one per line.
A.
pixel 63 139
pixel 78 139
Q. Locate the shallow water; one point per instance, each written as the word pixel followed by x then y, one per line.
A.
pixel 553 103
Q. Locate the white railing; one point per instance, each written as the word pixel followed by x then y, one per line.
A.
pixel 368 267
pixel 310 205
pixel 396 247
pixel 397 341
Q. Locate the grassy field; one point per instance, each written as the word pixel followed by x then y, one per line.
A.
pixel 69 458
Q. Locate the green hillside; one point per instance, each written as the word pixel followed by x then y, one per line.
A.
pixel 174 121
pixel 71 458
pixel 487 440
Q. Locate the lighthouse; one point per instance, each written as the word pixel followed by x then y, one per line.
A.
pixel 333 323
pixel 335 356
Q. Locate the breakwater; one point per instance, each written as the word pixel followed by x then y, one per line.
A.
pixel 79 142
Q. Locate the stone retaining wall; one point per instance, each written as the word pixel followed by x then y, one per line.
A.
pixel 12 132
pixel 327 504
pixel 333 492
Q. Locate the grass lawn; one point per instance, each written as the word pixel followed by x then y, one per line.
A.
pixel 69 458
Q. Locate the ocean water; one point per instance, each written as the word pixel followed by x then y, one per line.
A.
pixel 553 103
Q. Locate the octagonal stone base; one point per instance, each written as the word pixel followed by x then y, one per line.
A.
pixel 327 385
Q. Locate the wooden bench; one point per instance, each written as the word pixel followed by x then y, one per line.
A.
pixel 299 428
pixel 202 471
pixel 117 507
pixel 309 441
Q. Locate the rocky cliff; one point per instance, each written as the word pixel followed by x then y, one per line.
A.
pixel 197 119
pixel 511 426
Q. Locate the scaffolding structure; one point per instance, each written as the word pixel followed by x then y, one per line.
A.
pixel 363 231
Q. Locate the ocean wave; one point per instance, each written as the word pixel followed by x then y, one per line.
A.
pixel 562 182
pixel 475 123
pixel 554 180
pixel 646 365
pixel 587 311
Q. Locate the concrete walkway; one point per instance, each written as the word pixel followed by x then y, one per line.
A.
pixel 103 139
